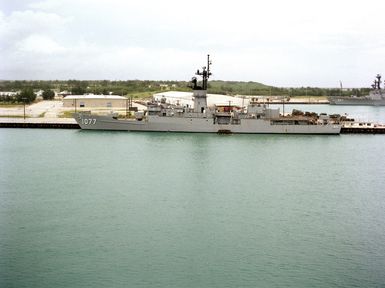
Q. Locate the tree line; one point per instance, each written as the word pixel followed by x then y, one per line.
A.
pixel 26 95
pixel 148 87
pixel 259 89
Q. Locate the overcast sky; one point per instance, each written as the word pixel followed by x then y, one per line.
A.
pixel 281 43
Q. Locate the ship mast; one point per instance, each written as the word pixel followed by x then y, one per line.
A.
pixel 378 81
pixel 205 73
pixel 200 92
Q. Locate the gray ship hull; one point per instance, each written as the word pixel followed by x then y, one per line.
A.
pixel 200 125
pixel 356 101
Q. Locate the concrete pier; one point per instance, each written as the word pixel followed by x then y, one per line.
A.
pixel 53 123
pixel 362 128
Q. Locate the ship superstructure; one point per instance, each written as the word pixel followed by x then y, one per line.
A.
pixel 255 118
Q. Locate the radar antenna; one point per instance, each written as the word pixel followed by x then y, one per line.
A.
pixel 205 73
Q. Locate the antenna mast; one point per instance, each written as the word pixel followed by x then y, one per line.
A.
pixel 378 81
pixel 205 73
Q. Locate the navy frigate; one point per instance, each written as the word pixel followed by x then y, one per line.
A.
pixel 253 119
pixel 376 96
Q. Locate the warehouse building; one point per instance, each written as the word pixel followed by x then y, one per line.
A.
pixel 186 99
pixel 106 101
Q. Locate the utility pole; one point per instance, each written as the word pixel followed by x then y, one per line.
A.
pixel 283 106
pixel 24 105
pixel 126 106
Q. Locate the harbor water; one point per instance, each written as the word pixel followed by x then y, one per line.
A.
pixel 123 209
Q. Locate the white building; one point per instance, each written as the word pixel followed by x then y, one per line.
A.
pixel 186 99
pixel 100 101
pixel 8 94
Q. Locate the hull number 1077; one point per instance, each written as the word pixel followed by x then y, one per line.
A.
pixel 87 121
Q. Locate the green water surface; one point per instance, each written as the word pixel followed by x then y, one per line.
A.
pixel 120 209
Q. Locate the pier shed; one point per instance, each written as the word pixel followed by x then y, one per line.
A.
pixel 106 101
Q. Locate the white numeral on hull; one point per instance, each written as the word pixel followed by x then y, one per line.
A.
pixel 86 121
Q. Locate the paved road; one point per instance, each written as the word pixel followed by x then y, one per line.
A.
pixel 49 109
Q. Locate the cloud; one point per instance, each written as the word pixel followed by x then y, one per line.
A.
pixel 286 43
pixel 39 44
pixel 19 26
